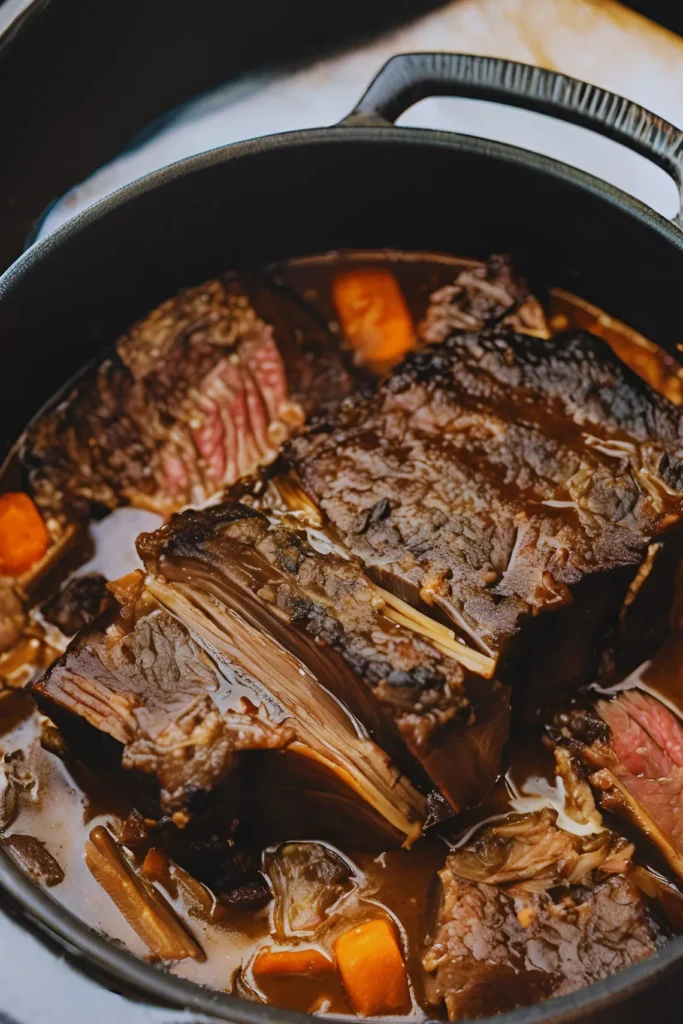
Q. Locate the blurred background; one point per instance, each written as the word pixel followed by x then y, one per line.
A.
pixel 96 94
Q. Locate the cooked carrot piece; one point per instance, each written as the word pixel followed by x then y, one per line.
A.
pixel 292 961
pixel 23 535
pixel 155 866
pixel 372 969
pixel 374 316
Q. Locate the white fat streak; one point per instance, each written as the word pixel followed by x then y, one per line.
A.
pixel 537 793
pixel 53 635
pixel 321 543
pixel 612 447
pixel 465 837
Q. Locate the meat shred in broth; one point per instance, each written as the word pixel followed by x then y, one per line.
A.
pixel 340 629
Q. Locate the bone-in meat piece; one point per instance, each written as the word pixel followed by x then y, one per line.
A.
pixel 399 682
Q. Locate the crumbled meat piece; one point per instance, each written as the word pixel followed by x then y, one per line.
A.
pixel 151 690
pixel 529 911
pixel 8 798
pixel 220 863
pixel 18 768
pixel 134 830
pixel 195 749
pixel 249 896
pixel 532 852
pixel 79 601
pixel 199 393
pixel 497 949
pixel 483 296
pixel 632 746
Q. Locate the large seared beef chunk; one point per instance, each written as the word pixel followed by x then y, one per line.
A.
pixel 529 911
pixel 199 393
pixel 199 665
pixel 323 609
pixel 514 475
pixel 632 746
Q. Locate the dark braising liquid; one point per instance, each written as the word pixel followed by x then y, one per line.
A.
pixel 72 800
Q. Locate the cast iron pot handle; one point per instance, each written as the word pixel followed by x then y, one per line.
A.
pixel 410 77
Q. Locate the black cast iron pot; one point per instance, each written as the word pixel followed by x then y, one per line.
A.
pixel 363 183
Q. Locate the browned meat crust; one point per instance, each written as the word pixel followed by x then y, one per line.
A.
pixel 486 961
pixel 511 472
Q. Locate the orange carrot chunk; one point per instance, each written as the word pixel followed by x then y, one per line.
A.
pixel 372 969
pixel 373 316
pixel 23 535
pixel 292 961
pixel 155 867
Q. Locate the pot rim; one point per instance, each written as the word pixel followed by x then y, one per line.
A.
pixel 336 134
pixel 118 964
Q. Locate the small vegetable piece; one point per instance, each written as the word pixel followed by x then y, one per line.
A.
pixel 199 901
pixel 374 316
pixel 31 855
pixel 145 909
pixel 307 880
pixel 372 969
pixel 155 867
pixel 24 539
pixel 291 961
